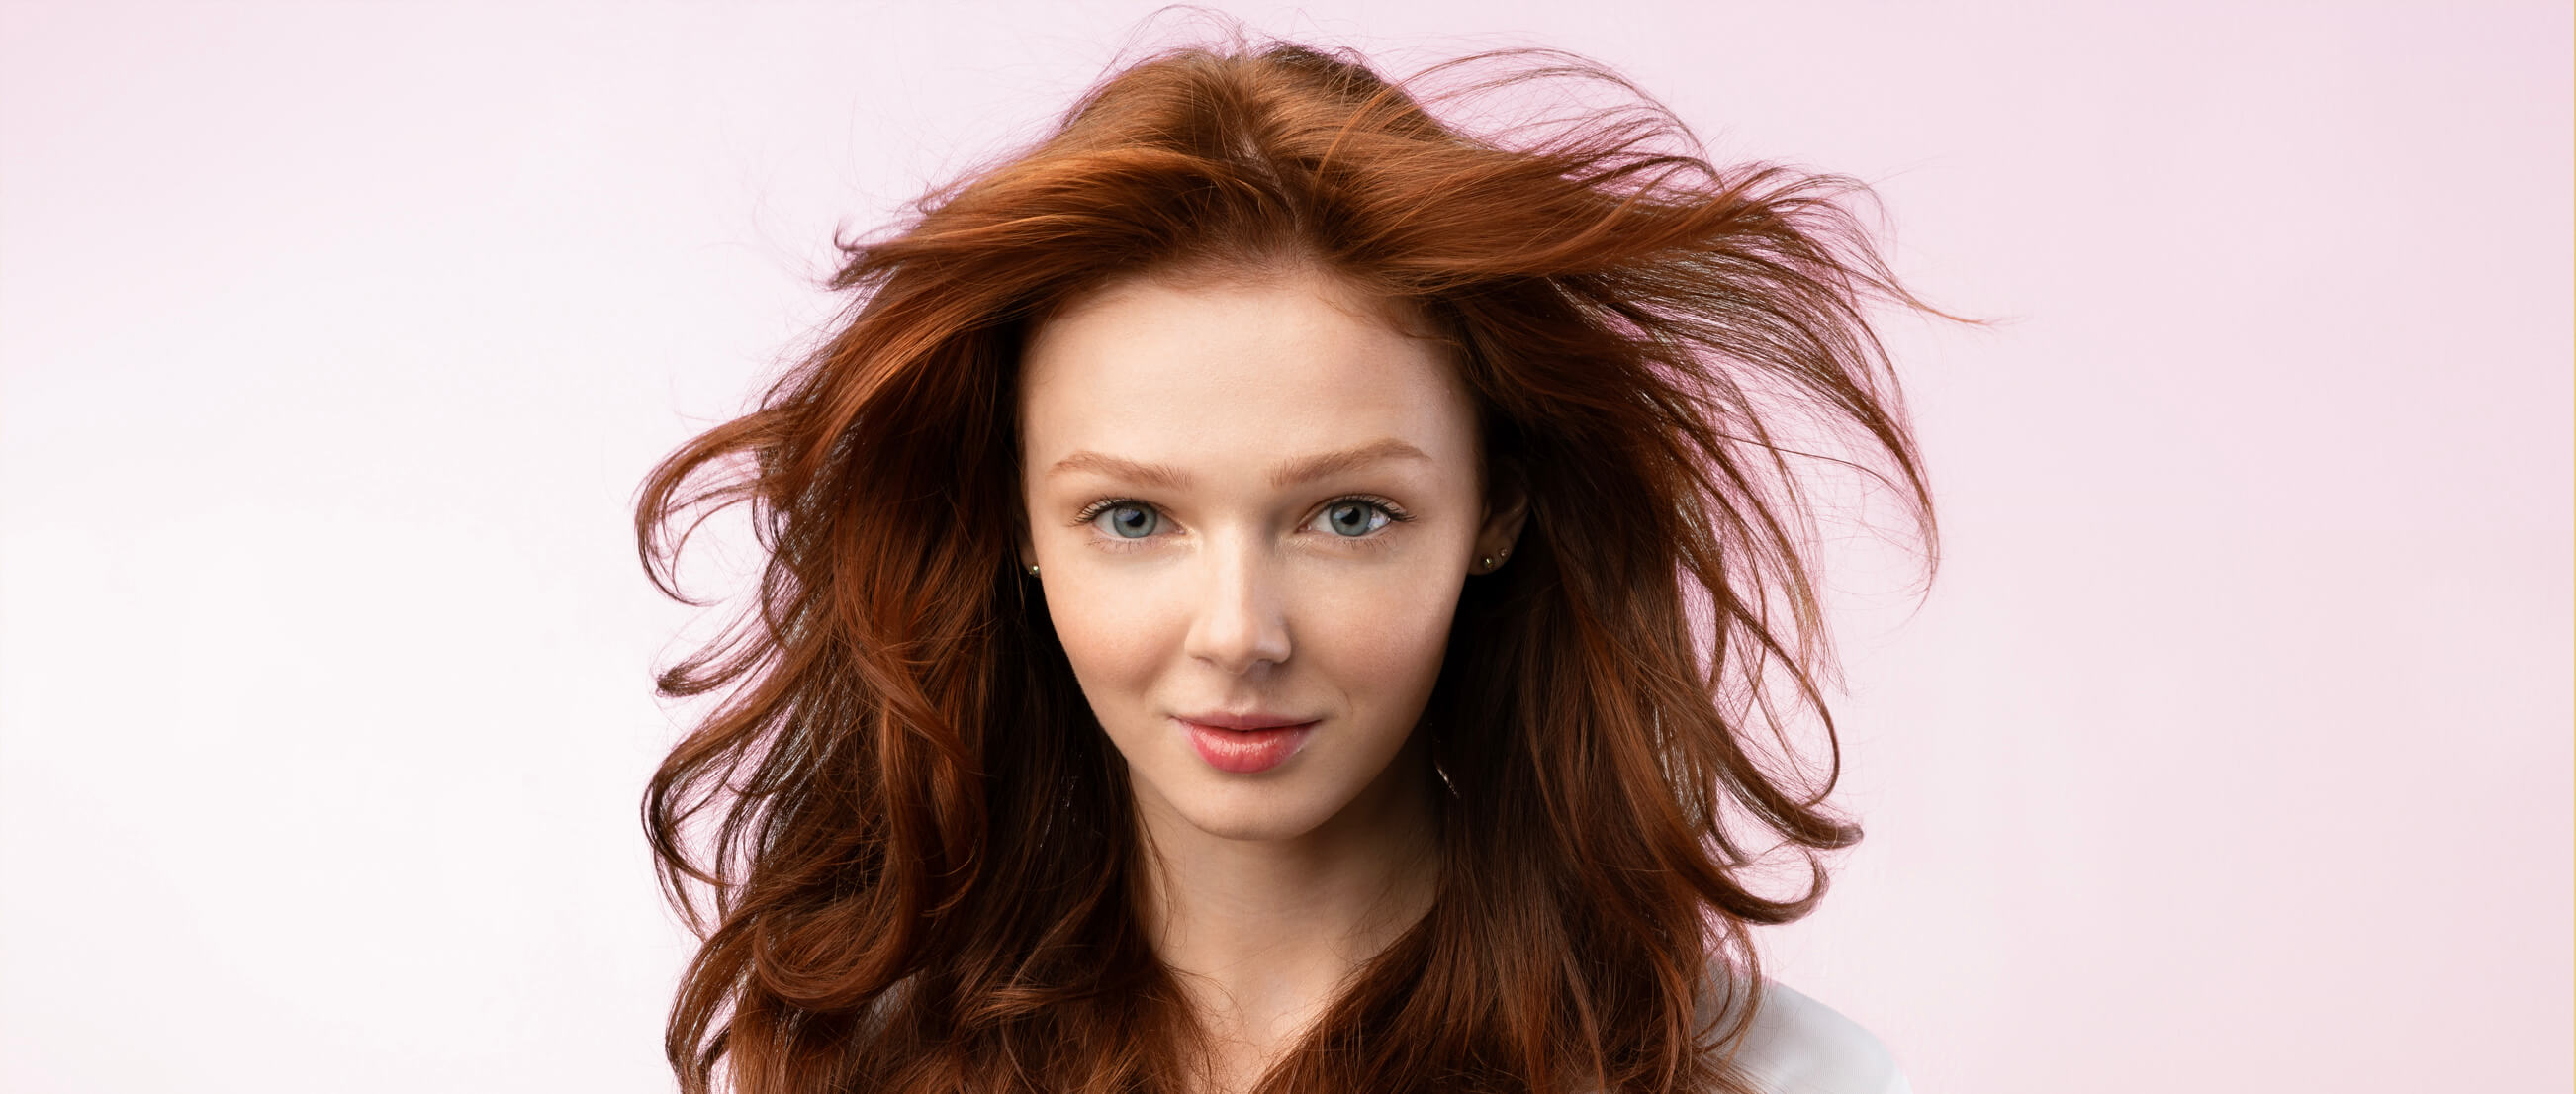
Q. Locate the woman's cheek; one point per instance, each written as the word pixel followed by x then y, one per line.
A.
pixel 1391 634
pixel 1111 635
pixel 1124 631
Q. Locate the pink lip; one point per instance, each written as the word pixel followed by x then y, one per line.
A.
pixel 1250 719
pixel 1244 751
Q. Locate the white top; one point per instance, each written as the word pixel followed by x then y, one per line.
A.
pixel 1800 1046
pixel 1796 1046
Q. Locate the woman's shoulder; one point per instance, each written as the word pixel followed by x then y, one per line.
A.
pixel 1797 1045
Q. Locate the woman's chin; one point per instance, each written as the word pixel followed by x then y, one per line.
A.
pixel 1254 814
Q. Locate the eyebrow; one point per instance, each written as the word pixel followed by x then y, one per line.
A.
pixel 1301 469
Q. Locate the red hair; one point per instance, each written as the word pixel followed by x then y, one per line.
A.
pixel 915 838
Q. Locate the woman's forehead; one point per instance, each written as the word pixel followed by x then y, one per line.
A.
pixel 1283 365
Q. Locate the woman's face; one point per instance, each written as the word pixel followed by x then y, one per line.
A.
pixel 1253 499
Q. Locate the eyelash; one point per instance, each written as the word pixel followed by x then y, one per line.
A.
pixel 1395 515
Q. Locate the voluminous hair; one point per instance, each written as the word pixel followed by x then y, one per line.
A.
pixel 903 839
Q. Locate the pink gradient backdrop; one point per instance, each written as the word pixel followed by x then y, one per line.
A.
pixel 2231 750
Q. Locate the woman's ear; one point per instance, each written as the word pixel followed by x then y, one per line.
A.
pixel 1505 510
pixel 1024 551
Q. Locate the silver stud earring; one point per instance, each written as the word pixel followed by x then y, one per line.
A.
pixel 1033 569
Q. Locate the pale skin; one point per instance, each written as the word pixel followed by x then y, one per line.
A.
pixel 1220 586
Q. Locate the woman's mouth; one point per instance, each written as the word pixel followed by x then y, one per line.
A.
pixel 1243 751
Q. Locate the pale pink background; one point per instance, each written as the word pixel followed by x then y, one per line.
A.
pixel 2230 752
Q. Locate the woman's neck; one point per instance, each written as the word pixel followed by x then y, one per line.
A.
pixel 1263 934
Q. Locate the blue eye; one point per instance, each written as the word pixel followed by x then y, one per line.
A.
pixel 1353 520
pixel 1349 511
pixel 1129 516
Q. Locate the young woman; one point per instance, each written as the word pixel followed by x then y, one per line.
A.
pixel 1270 590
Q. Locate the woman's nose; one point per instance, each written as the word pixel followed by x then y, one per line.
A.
pixel 1241 614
